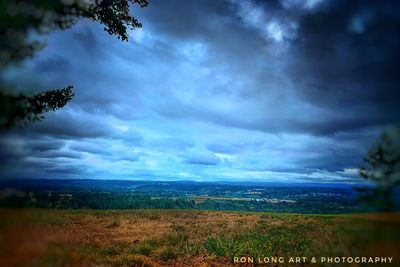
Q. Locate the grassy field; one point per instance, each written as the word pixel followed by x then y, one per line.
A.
pixel 38 237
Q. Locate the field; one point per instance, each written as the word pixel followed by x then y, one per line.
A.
pixel 48 237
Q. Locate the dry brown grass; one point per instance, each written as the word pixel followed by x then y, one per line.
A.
pixel 35 237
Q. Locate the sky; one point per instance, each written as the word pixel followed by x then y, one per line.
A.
pixel 215 90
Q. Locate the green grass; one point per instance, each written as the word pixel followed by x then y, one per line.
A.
pixel 274 241
pixel 205 235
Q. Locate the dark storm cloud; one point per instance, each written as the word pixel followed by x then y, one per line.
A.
pixel 89 148
pixel 65 171
pixel 347 59
pixel 212 23
pixel 69 126
pixel 34 158
pixel 266 90
pixel 55 64
pixel 315 125
pixel 333 160
pixel 9 153
pixel 186 19
pixel 87 39
pixel 44 144
pixel 202 159
pixel 59 154
pixel 349 74
pixel 14 147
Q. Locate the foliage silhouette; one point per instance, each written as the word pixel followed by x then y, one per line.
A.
pixel 24 109
pixel 19 18
pixel 383 168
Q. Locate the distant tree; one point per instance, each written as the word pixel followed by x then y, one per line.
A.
pixel 383 167
pixel 18 18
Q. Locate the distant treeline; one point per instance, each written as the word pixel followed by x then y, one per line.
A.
pixel 111 194
pixel 113 200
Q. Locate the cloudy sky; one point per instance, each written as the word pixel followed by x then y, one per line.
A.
pixel 290 90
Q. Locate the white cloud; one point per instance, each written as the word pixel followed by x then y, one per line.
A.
pixel 278 32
